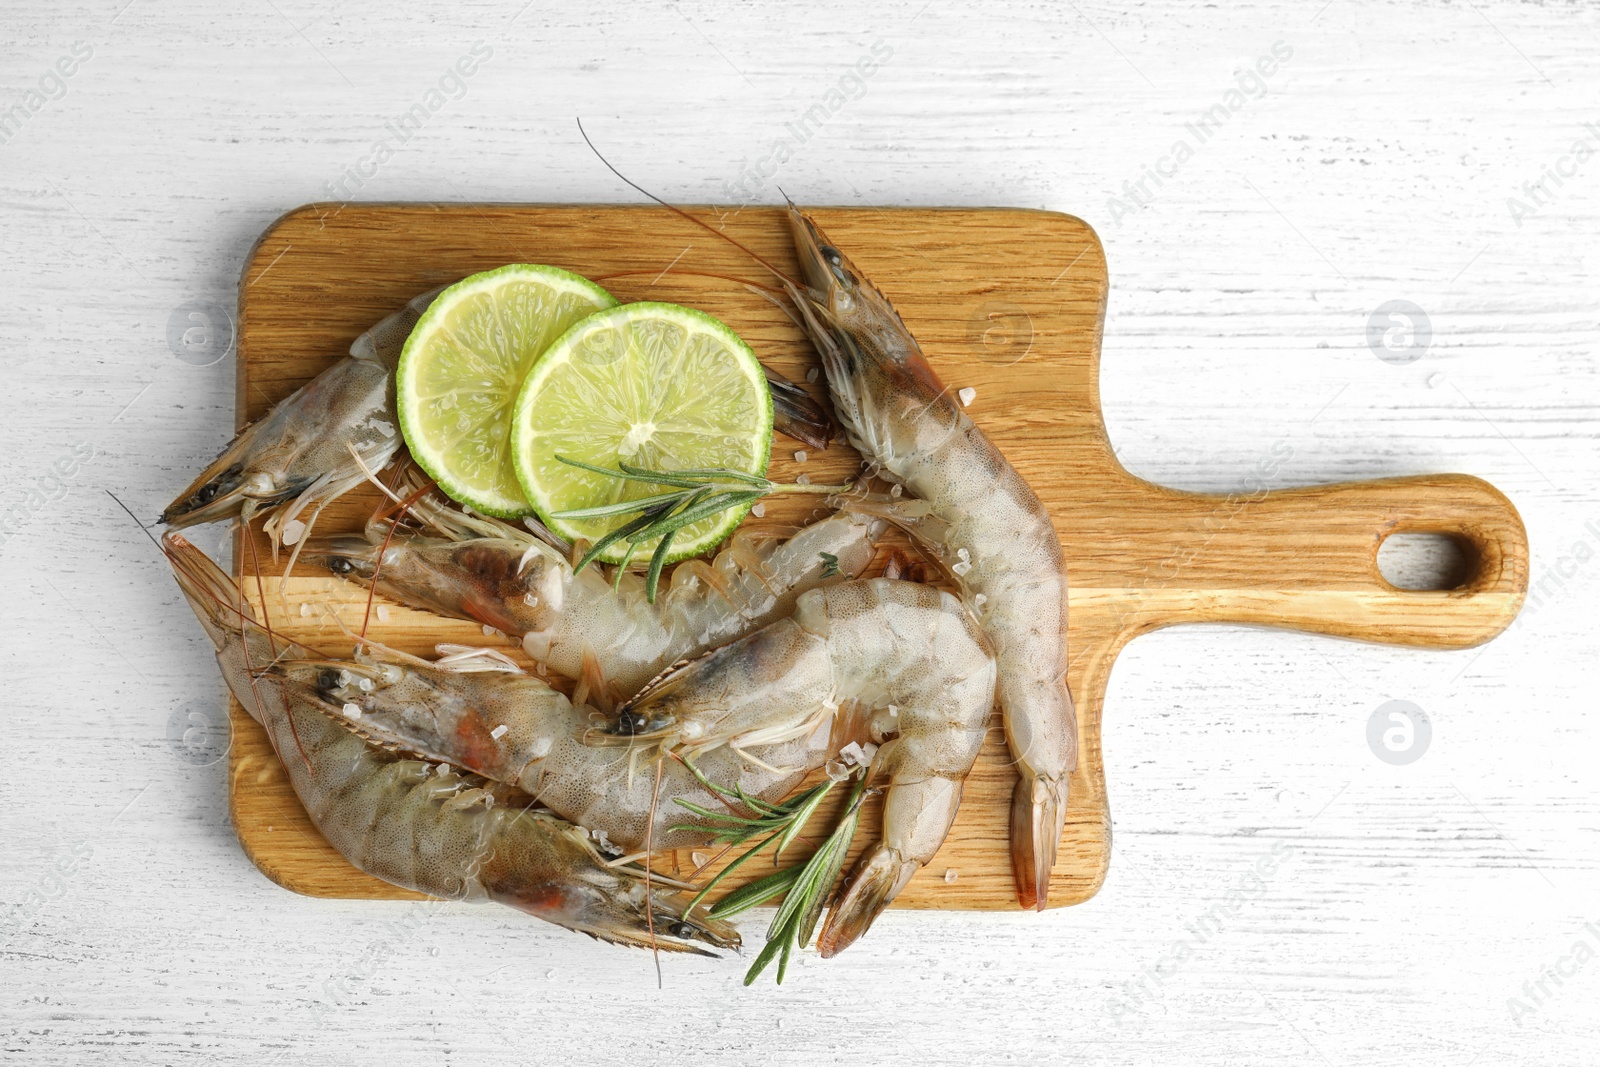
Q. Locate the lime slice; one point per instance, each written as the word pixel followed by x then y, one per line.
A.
pixel 462 367
pixel 656 386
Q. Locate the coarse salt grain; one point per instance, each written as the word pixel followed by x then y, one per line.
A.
pixel 365 685
pixel 305 610
pixel 700 859
pixel 979 599
pixel 894 710
pixel 489 631
pixel 759 510
pixel 854 754
pixel 352 712
pixel 383 613
pixel 896 490
pixel 499 731
pixel 804 479
pixel 961 568
pixel 800 457
pixel 967 395
pixel 811 375
pixel 951 874
pixel 293 530
pixel 444 770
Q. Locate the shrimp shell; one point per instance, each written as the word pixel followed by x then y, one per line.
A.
pixel 514 728
pixel 974 513
pixel 518 584
pixel 459 837
pixel 910 653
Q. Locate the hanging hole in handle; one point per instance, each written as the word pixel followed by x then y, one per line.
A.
pixel 1426 561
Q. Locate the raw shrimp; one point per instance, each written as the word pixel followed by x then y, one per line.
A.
pixel 323 440
pixel 578 625
pixel 977 516
pixel 479 711
pixel 908 655
pixel 974 513
pixel 454 836
pixel 304 452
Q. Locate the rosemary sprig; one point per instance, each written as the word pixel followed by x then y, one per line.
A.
pixel 781 823
pixel 697 493
pixel 806 892
pixel 805 886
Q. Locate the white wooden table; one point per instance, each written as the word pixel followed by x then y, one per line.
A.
pixel 1427 913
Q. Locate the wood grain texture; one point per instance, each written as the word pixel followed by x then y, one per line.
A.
pixel 1020 331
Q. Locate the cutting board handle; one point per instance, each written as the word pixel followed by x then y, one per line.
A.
pixel 1307 559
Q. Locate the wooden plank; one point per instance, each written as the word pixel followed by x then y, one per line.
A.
pixel 1023 330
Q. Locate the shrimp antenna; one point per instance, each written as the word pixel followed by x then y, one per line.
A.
pixel 649 844
pixel 684 214
pixel 142 528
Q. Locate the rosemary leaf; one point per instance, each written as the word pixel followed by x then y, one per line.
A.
pixel 622 507
pixel 707 472
pixel 652 578
pixel 612 538
pixel 771 949
pixel 755 894
pixel 634 475
pixel 719 815
pixel 783 958
pixel 718 878
pixel 828 874
pixel 708 506
pixel 801 817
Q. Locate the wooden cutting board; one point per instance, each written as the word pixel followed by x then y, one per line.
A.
pixel 1008 302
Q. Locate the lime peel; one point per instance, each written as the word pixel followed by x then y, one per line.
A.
pixel 463 366
pixel 646 385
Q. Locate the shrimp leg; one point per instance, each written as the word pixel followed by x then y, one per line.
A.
pixel 489 717
pixel 910 652
pixel 501 576
pixel 459 837
pixel 973 512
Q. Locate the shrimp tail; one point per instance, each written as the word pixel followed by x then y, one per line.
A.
pixel 877 880
pixel 1038 815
